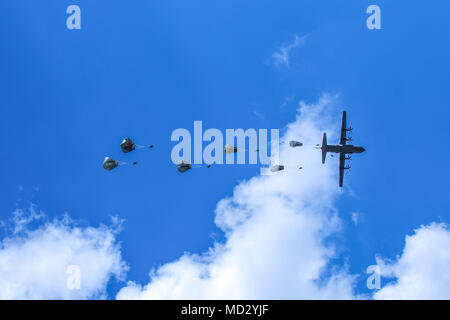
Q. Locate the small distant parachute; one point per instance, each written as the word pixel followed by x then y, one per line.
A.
pixel 109 164
pixel 229 149
pixel 183 166
pixel 294 143
pixel 127 145
pixel 276 168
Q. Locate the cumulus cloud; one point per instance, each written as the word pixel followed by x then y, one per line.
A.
pixel 422 270
pixel 40 262
pixel 275 228
pixel 283 55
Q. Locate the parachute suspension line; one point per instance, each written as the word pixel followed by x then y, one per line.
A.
pixel 195 166
pixel 139 146
pixel 124 163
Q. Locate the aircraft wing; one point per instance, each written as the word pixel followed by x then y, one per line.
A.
pixel 341 168
pixel 343 129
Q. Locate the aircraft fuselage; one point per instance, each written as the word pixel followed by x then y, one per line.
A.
pixel 346 148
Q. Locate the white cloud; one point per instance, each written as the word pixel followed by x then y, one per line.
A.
pixel 275 228
pixel 34 262
pixel 258 114
pixel 287 100
pixel 355 218
pixel 23 218
pixel 422 271
pixel 283 55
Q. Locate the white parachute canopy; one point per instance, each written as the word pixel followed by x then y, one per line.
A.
pixel 276 167
pixel 229 149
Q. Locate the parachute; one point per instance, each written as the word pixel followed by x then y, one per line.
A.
pixel 294 143
pixel 276 167
pixel 127 145
pixel 229 149
pixel 109 164
pixel 183 166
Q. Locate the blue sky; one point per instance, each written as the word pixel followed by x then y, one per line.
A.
pixel 144 68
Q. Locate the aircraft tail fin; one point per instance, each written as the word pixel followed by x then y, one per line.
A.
pixel 324 147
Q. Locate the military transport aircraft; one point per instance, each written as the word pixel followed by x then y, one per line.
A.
pixel 342 148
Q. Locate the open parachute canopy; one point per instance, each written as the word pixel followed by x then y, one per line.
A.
pixel 127 145
pixel 183 166
pixel 294 143
pixel 109 164
pixel 229 149
pixel 276 168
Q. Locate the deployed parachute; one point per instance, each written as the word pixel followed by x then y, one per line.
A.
pixel 277 167
pixel 109 164
pixel 294 143
pixel 183 166
pixel 127 145
pixel 229 149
